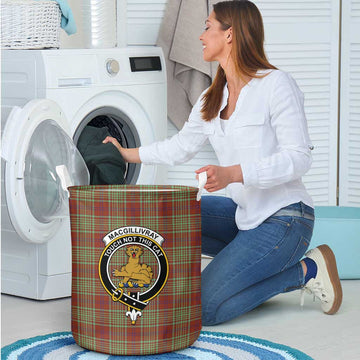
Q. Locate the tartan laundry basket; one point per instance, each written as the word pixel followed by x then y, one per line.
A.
pixel 136 254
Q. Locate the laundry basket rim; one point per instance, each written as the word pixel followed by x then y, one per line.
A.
pixel 132 188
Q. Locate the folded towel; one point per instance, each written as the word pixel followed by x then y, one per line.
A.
pixel 67 17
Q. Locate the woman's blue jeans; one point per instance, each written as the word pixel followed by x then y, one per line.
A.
pixel 249 266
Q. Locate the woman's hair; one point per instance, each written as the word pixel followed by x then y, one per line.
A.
pixel 247 50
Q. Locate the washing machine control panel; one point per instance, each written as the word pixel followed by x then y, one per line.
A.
pixel 112 67
pixel 145 63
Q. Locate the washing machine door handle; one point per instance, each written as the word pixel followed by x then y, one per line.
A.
pixel 41 160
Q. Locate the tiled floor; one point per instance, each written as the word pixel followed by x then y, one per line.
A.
pixel 279 320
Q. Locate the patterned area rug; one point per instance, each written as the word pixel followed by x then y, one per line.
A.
pixel 209 346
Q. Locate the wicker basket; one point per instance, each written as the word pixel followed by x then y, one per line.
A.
pixel 27 24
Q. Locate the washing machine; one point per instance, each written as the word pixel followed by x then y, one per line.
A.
pixel 48 98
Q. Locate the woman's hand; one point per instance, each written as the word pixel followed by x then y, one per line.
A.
pixel 114 142
pixel 218 177
pixel 129 155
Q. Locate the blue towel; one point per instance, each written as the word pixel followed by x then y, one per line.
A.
pixel 67 17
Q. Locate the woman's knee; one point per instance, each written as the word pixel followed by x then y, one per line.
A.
pixel 208 316
pixel 208 320
pixel 211 299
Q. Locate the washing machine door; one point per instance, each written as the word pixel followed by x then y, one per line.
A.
pixel 41 161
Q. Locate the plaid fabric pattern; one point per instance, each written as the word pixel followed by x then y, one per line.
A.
pixel 171 319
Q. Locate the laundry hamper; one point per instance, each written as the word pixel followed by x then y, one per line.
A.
pixel 28 24
pixel 136 255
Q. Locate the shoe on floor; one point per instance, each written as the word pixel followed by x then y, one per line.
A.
pixel 326 285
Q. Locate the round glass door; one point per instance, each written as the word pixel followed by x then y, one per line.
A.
pixel 49 150
pixel 41 161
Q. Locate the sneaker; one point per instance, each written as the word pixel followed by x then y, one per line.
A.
pixel 326 285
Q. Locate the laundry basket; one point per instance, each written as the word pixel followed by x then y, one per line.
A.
pixel 27 24
pixel 136 254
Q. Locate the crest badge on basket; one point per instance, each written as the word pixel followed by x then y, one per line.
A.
pixel 133 267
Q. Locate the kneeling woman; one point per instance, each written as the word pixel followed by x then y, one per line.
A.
pixel 253 116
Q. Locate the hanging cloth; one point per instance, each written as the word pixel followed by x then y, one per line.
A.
pixel 188 75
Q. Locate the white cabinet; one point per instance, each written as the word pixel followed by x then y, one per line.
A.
pixel 349 144
pixel 143 20
pixel 302 38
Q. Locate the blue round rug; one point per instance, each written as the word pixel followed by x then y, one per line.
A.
pixel 209 346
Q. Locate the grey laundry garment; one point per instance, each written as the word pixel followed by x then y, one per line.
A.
pixel 104 162
pixel 188 75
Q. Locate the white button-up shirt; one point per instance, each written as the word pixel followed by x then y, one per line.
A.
pixel 266 134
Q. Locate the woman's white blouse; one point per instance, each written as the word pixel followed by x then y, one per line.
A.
pixel 267 135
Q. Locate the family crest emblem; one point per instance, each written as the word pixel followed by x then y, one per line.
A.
pixel 133 267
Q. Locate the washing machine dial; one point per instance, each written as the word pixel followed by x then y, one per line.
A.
pixel 112 67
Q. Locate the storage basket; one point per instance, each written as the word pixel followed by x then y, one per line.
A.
pixel 136 276
pixel 27 24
